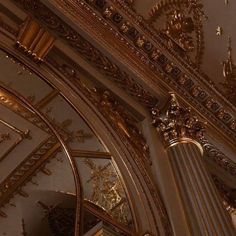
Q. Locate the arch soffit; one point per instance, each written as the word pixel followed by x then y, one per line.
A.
pixel 139 186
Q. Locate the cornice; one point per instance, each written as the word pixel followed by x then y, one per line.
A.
pixel 175 74
pixel 94 56
pixel 152 33
pixel 88 51
pixel 214 154
pixel 156 62
pixel 151 184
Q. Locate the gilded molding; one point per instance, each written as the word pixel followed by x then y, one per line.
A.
pixel 49 97
pixel 26 169
pixel 108 72
pixel 71 74
pixel 174 73
pixel 177 124
pixel 183 31
pixel 34 40
pixel 171 73
pixel 6 136
pixel 90 154
pixel 90 53
pixel 11 103
pixel 210 103
pixel 214 154
pixel 100 214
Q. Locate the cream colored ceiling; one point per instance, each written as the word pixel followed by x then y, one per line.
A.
pixel 216 46
pixel 83 137
pixel 21 80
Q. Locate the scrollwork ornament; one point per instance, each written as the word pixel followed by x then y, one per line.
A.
pixel 214 154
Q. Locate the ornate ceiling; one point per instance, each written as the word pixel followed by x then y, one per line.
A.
pixel 205 32
pixel 143 42
pixel 35 170
pixel 123 57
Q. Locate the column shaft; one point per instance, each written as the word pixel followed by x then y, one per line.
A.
pixel 203 206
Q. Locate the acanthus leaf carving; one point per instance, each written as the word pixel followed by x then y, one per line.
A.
pixel 177 122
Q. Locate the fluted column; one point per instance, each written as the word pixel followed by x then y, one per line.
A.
pixel 203 206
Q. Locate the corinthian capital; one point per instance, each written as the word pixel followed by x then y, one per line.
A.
pixel 177 123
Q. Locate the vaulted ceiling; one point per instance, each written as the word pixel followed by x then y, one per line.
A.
pixel 35 171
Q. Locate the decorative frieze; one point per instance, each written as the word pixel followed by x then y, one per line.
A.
pixel 173 74
pixel 215 155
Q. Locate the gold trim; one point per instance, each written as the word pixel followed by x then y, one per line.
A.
pixel 157 205
pixel 13 101
pixel 185 140
pixel 177 124
pixel 23 135
pixel 51 129
pixel 34 40
pixel 140 52
pixel 48 98
pixel 107 219
pixel 90 154
pixel 21 174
